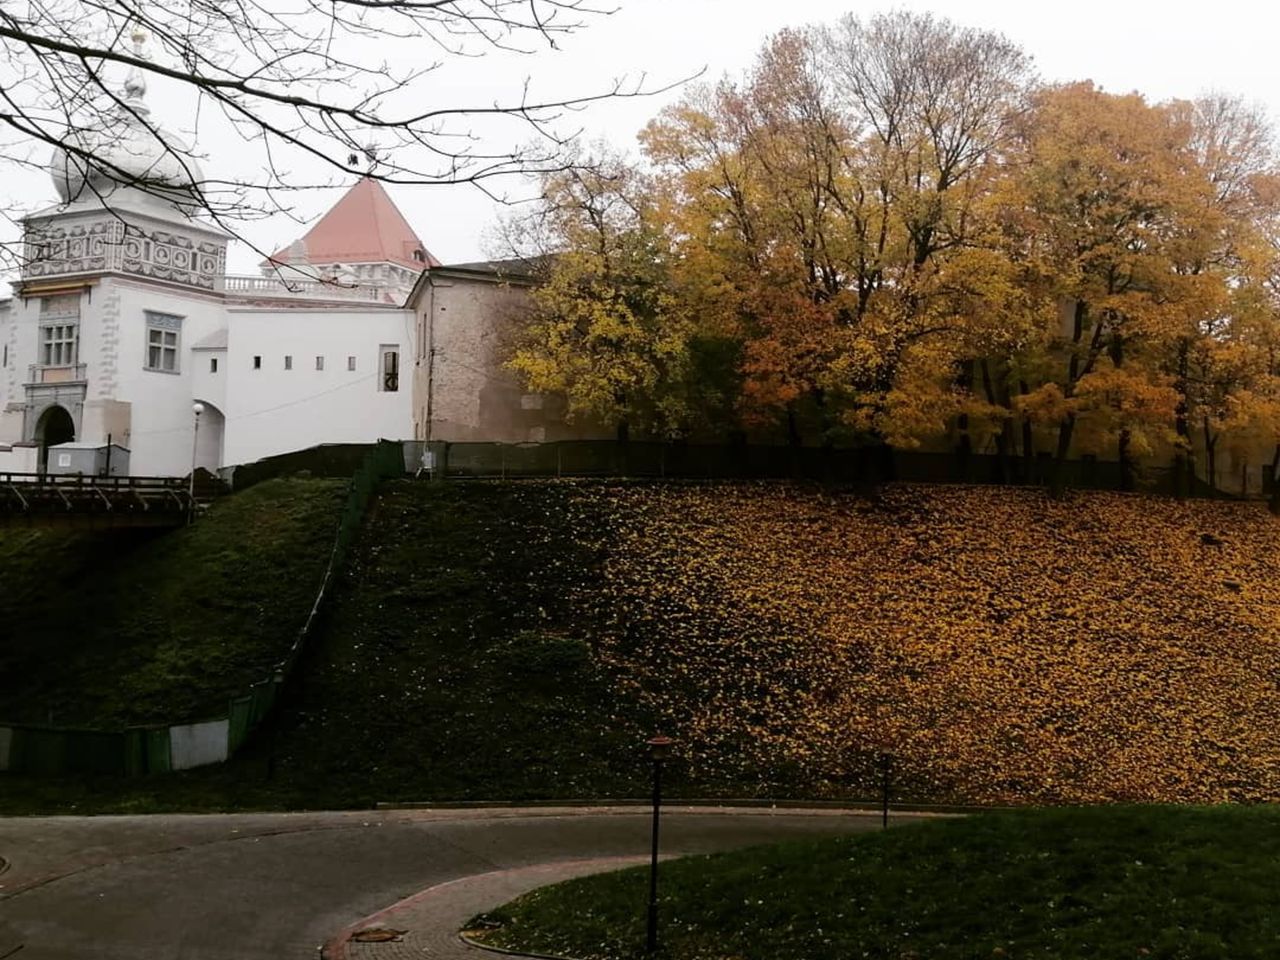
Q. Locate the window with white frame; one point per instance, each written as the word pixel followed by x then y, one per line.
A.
pixel 59 344
pixel 59 330
pixel 288 361
pixel 319 363
pixel 351 363
pixel 163 331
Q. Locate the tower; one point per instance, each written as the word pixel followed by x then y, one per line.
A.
pixel 117 279
pixel 364 239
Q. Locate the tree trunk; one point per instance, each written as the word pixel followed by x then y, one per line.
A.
pixel 1273 503
pixel 1211 460
pixel 1057 480
pixel 1005 437
pixel 1126 437
pixel 1126 462
pixel 1028 441
pixel 1058 476
pixel 793 428
pixel 1183 463
pixel 964 448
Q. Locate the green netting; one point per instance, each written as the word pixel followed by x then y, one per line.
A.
pixel 147 750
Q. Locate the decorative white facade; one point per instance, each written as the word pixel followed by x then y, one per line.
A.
pixel 124 323
pixel 113 337
pixel 123 320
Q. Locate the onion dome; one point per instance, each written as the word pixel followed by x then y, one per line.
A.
pixel 126 150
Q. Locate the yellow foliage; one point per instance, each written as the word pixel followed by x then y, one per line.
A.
pixel 1005 647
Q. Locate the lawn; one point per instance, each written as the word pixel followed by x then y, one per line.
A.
pixel 116 627
pixel 518 640
pixel 1142 882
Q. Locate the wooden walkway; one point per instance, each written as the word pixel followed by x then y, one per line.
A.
pixel 80 501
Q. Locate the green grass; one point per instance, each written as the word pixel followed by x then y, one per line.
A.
pixel 516 641
pixel 1122 882
pixel 109 628
pixel 451 666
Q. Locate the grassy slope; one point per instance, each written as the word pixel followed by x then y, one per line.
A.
pixel 117 627
pixel 1159 883
pixel 513 641
pixel 452 666
pixel 1004 647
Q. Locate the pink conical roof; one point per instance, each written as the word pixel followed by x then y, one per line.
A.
pixel 365 226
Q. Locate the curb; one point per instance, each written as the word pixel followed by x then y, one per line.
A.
pixel 503 951
pixel 861 808
pixel 335 947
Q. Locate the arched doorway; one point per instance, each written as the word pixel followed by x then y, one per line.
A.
pixel 209 442
pixel 55 426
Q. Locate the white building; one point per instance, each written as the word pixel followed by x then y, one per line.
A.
pixel 123 319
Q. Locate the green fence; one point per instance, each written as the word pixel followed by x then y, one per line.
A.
pixel 160 748
pixel 645 459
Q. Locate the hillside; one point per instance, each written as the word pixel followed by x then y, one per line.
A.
pixel 518 640
pixel 115 627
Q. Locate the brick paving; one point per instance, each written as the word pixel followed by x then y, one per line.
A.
pixel 431 919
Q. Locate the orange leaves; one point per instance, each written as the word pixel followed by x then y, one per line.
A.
pixel 1006 647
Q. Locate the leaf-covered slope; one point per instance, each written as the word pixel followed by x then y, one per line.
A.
pixel 519 639
pixel 114 627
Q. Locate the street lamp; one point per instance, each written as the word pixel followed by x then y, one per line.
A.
pixel 659 748
pixel 197 408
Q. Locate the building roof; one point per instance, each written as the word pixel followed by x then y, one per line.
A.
pixel 516 268
pixel 214 341
pixel 365 226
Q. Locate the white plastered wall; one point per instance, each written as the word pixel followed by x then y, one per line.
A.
pixel 272 410
pixel 161 421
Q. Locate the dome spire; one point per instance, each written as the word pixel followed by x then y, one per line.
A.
pixel 135 84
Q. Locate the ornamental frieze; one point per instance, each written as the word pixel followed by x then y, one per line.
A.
pixel 110 245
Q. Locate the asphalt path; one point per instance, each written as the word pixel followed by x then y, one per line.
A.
pixel 243 887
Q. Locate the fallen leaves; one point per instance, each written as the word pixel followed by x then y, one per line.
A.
pixel 1003 646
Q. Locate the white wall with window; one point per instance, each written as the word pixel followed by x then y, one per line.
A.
pixel 59 330
pixel 141 359
pixel 164 333
pixel 271 409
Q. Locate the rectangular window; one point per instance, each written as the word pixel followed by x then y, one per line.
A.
pixel 288 362
pixel 351 363
pixel 162 342
pixel 319 363
pixel 257 363
pixel 213 364
pixel 389 381
pixel 59 344
pixel 162 350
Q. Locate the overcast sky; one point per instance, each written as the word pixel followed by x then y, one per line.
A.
pixel 1163 50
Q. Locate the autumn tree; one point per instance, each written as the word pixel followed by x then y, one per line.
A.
pixel 609 330
pixel 1104 202
pixel 1223 359
pixel 1139 224
pixel 834 187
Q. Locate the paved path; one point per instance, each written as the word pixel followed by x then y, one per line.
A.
pixel 427 923
pixel 277 886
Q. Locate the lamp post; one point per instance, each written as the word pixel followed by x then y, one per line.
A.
pixel 197 408
pixel 659 748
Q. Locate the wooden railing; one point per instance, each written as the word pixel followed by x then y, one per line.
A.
pixel 124 500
